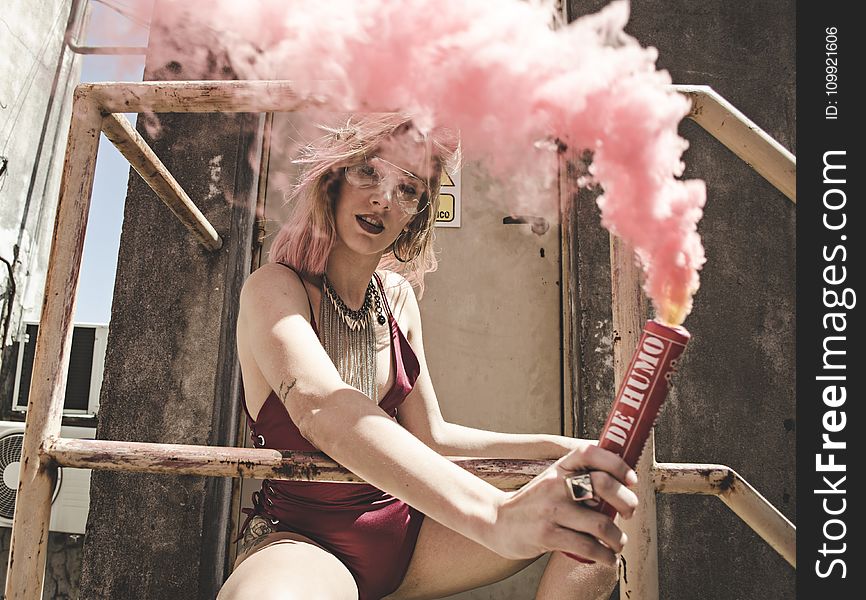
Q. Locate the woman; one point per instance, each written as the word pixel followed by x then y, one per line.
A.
pixel 332 359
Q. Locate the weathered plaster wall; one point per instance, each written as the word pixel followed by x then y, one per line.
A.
pixel 734 401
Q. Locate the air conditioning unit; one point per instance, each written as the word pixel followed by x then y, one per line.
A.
pixel 71 499
pixel 86 365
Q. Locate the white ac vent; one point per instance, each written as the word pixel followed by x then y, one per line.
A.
pixel 71 496
pixel 83 378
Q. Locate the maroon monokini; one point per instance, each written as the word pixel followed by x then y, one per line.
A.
pixel 371 532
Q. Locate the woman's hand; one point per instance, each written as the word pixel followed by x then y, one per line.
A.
pixel 541 517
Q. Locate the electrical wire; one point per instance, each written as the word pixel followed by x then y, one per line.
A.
pixel 10 299
pixel 4 162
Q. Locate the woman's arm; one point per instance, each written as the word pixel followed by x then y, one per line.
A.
pixel 343 422
pixel 458 440
pixel 355 432
pixel 420 412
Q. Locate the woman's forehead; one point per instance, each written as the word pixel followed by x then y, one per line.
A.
pixel 409 152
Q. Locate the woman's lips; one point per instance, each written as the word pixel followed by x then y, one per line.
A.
pixel 370 224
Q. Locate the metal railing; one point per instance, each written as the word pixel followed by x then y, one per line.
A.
pixel 95 108
pixel 743 137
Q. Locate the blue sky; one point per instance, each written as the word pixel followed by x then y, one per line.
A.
pixel 112 170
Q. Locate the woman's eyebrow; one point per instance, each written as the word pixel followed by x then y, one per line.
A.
pixel 410 173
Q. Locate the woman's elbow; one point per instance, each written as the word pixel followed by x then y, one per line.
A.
pixel 306 423
pixel 437 436
pixel 323 420
pixel 306 412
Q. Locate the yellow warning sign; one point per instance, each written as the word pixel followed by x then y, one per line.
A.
pixel 448 213
pixel 446 209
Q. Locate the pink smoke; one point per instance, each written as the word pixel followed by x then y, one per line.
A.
pixel 497 71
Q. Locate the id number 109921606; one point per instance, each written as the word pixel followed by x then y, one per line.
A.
pixel 831 72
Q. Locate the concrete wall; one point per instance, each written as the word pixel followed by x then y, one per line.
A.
pixel 37 75
pixel 734 400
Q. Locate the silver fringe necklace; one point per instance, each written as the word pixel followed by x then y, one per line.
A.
pixel 349 336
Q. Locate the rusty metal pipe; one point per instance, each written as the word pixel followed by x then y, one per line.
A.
pixel 200 96
pixel 711 111
pixel 743 137
pixel 746 502
pixel 79 13
pixel 29 546
pixel 106 50
pixel 216 461
pixel 147 164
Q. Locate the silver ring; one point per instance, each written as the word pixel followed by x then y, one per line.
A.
pixel 579 486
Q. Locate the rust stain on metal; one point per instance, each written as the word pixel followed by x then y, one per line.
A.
pixel 295 470
pixel 624 576
pixel 697 107
pixel 727 483
pixel 664 478
pixel 244 466
pixel 98 457
pixel 170 461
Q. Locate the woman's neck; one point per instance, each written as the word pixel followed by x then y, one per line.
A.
pixel 350 274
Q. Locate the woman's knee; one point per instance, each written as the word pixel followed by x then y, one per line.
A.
pixel 300 589
pixel 567 578
pixel 290 570
pixel 253 590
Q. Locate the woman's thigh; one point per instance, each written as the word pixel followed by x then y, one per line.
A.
pixel 445 562
pixel 288 566
pixel 567 579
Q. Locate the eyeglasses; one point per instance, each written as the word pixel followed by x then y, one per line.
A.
pixel 407 189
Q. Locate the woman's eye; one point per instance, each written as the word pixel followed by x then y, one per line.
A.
pixel 368 171
pixel 408 190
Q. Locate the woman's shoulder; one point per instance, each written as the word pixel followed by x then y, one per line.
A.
pixel 401 297
pixel 393 280
pixel 396 286
pixel 275 282
pixel 273 275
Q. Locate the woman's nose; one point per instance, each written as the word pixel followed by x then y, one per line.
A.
pixel 385 189
pixel 382 195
